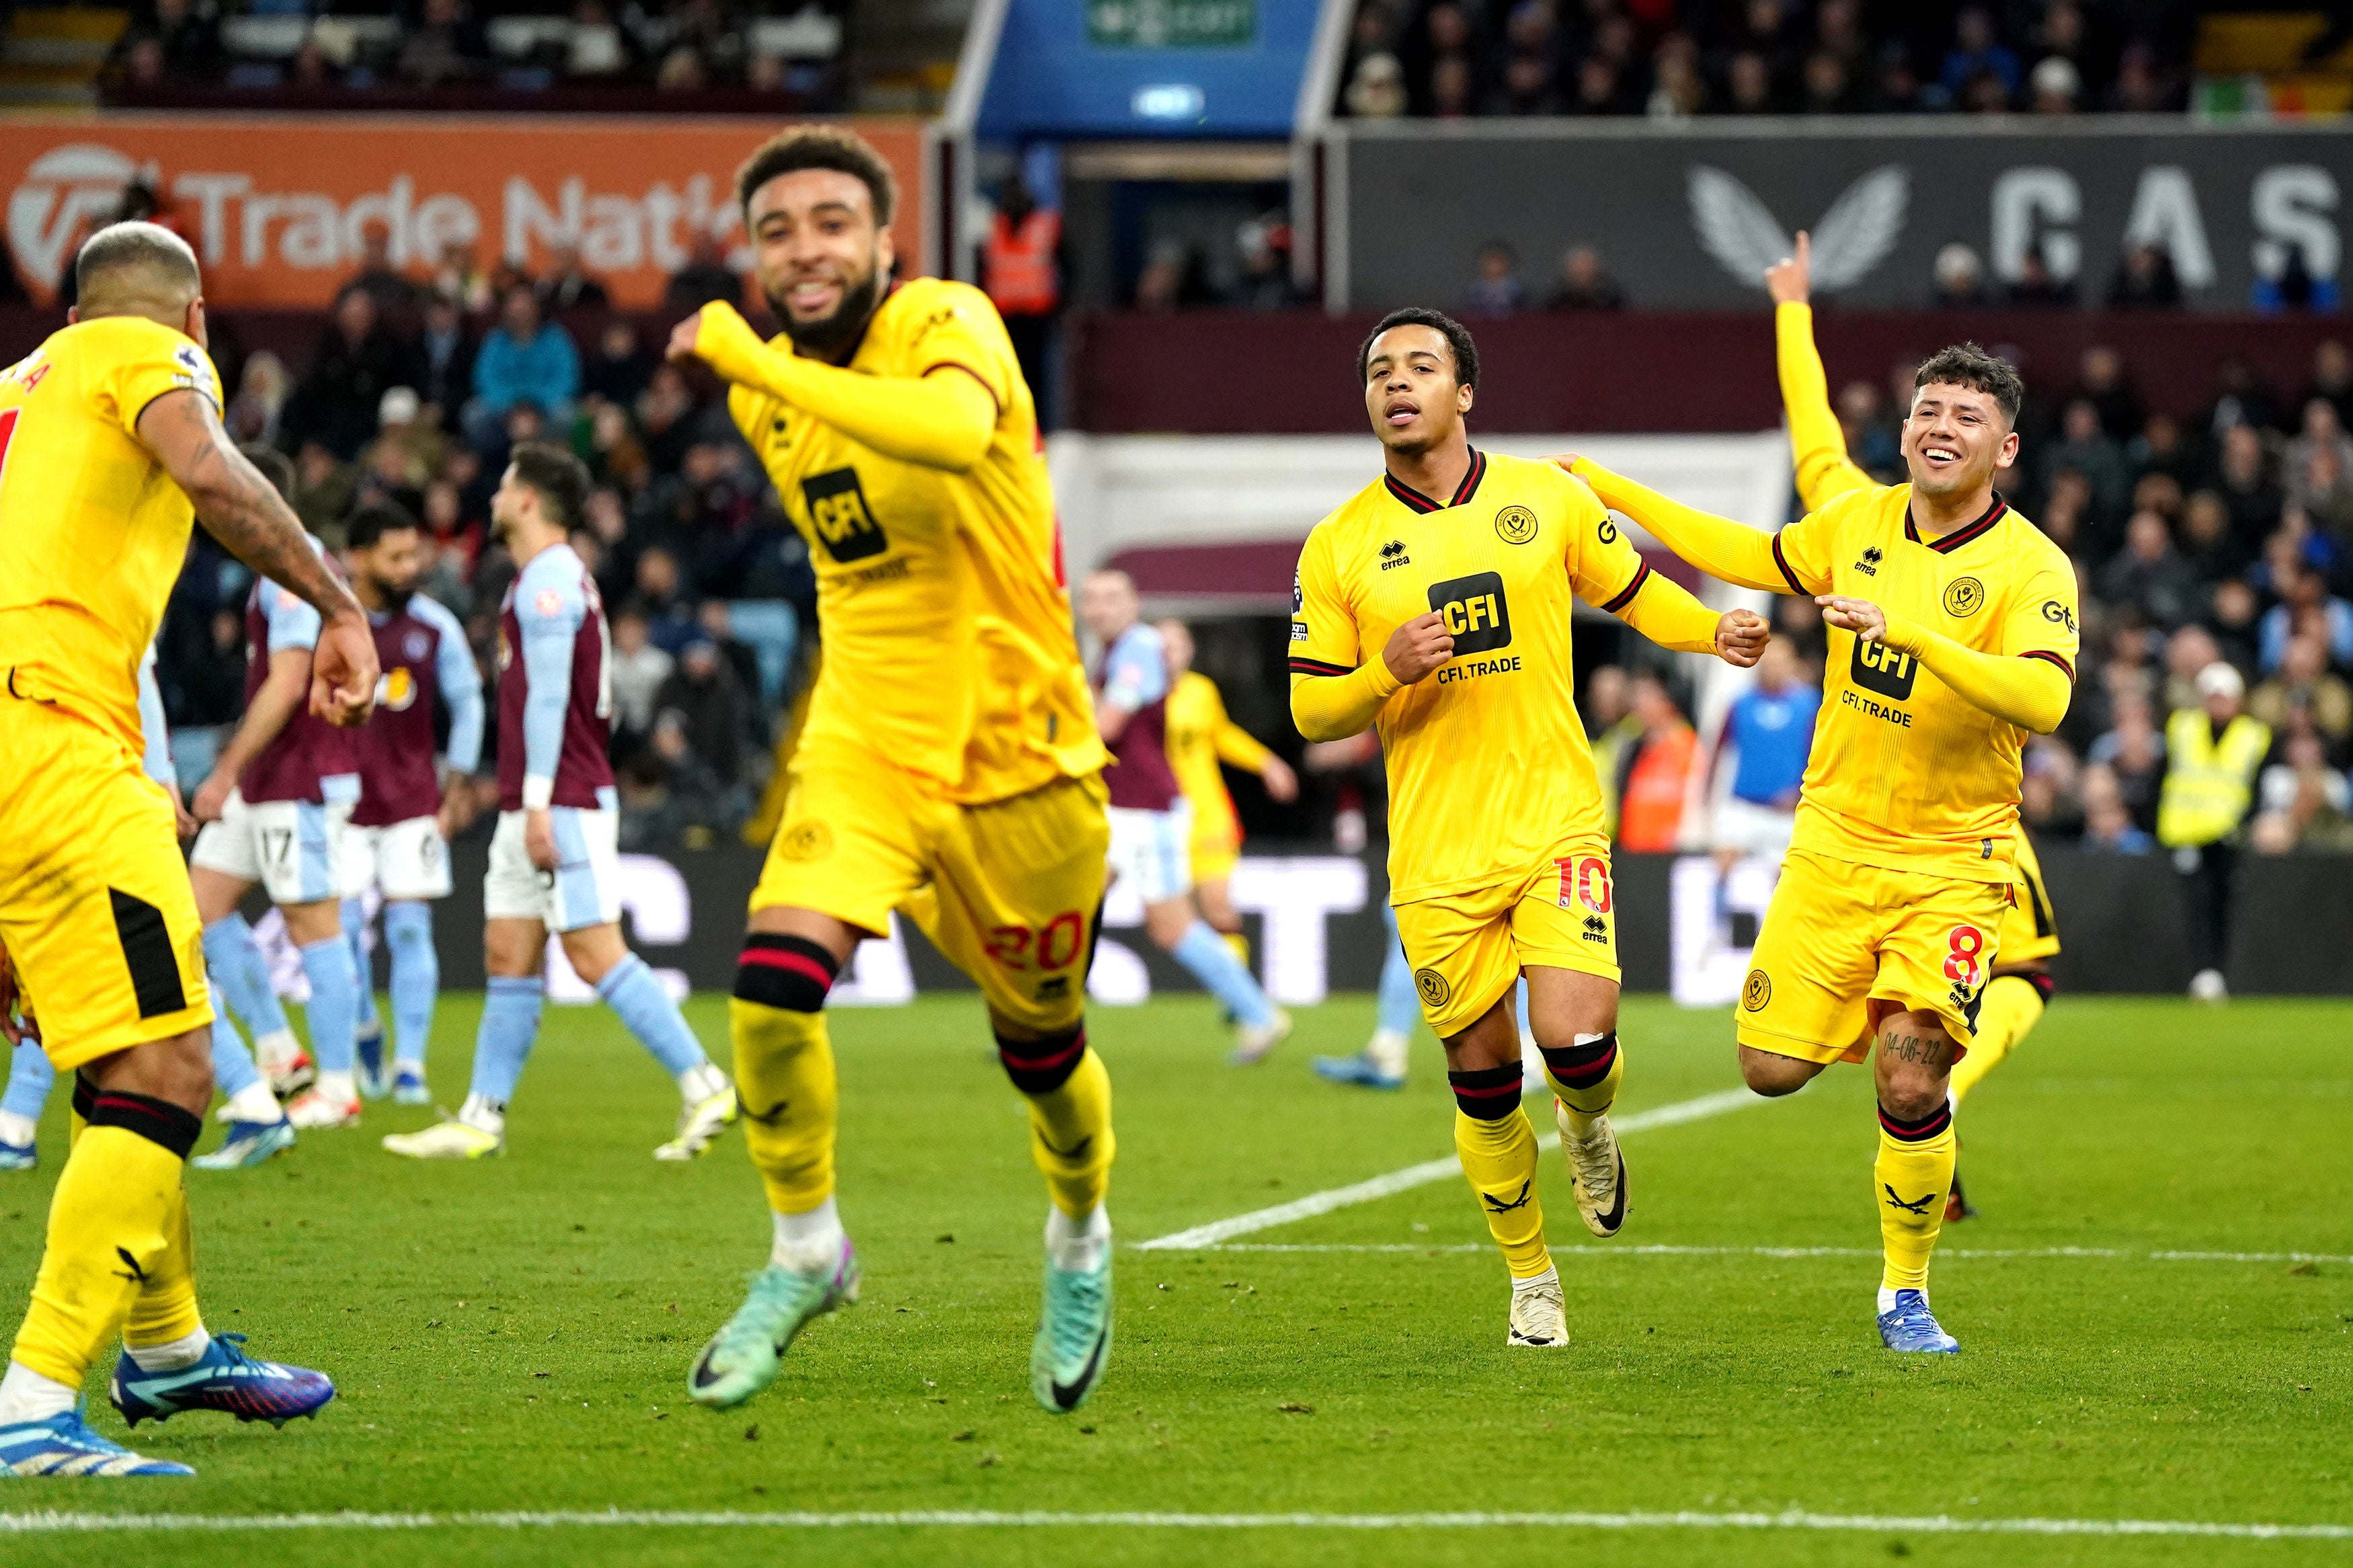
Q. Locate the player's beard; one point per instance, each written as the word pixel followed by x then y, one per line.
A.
pixel 395 600
pixel 829 335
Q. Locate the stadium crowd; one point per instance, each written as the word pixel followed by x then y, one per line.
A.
pixel 1673 59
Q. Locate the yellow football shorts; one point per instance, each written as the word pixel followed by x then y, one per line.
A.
pixel 95 909
pixel 1009 891
pixel 1844 944
pixel 2030 930
pixel 1468 948
pixel 1217 844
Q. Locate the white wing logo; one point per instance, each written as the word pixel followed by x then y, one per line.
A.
pixel 1855 235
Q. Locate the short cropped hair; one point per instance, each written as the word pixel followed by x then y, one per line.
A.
pixel 122 246
pixel 374 520
pixel 1967 364
pixel 275 467
pixel 559 478
pixel 1457 336
pixel 820 147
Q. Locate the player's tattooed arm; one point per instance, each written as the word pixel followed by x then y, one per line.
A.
pixel 241 509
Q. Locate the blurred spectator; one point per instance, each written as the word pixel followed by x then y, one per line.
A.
pixel 2035 289
pixel 2053 85
pixel 1450 88
pixel 379 280
pixel 457 278
pixel 1678 90
pixel 2239 398
pixel 670 617
pixel 1659 774
pixel 2286 283
pixel 2208 543
pixel 2244 483
pixel 323 490
pixel 2134 753
pixel 2161 447
pixel 569 284
pixel 1960 277
pixel 1770 729
pixel 2332 377
pixel 2187 652
pixel 403 457
pixel 2104 381
pixel 705 276
pixel 262 389
pixel 358 361
pixel 1529 83
pixel 666 418
pixel 2085 449
pixel 1377 88
pixel 2146 279
pixel 444 42
pixel 2235 619
pixel 2302 803
pixel 2212 753
pixel 595 48
pixel 445 347
pixel 2306 693
pixel 1584 286
pixel 2305 607
pixel 187 35
pixel 1976 52
pixel 1021 271
pixel 1827 86
pixel 1610 731
pixel 1264 283
pixel 1496 291
pixel 2150 577
pixel 2320 432
pixel 617 372
pixel 718 623
pixel 2107 824
pixel 2143 85
pixel 639 668
pixel 1749 85
pixel 525 358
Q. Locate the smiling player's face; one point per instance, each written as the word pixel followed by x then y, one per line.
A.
pixel 819 255
pixel 1410 393
pixel 1955 439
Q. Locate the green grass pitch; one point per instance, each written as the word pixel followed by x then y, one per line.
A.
pixel 514 1335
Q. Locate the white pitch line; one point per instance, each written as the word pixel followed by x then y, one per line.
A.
pixel 1429 1170
pixel 1665 1250
pixel 960 1518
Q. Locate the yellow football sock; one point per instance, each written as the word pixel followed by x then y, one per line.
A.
pixel 165 1308
pixel 1499 1156
pixel 2009 1008
pixel 1911 1177
pixel 1241 944
pixel 1070 1136
pixel 110 1227
pixel 784 1078
pixel 1585 1076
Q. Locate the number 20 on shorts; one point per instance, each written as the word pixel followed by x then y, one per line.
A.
pixel 1054 945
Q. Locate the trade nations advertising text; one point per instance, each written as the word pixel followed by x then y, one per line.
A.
pixel 277 206
pixel 1691 221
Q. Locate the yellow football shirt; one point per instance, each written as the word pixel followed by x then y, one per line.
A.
pixel 1198 736
pixel 948 645
pixel 1904 773
pixel 1489 771
pixel 93 528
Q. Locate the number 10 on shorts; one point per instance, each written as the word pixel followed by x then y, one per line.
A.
pixel 1588 876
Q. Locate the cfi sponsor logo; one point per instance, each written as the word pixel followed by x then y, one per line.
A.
pixel 64 189
pixel 1852 239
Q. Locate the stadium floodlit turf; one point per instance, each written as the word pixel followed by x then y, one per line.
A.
pixel 514 1335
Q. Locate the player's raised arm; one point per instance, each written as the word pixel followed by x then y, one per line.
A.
pixel 1733 552
pixel 941 419
pixel 246 514
pixel 1816 441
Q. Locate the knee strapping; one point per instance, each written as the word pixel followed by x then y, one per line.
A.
pixel 1487 1094
pixel 789 972
pixel 161 1122
pixel 1042 1065
pixel 1582 1067
pixel 1917 1131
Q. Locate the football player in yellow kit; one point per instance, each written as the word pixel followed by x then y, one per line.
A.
pixel 1952 638
pixel 1435 607
pixel 1199 737
pixel 2020 983
pixel 948 767
pixel 111 442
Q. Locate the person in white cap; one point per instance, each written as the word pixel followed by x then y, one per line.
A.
pixel 2213 754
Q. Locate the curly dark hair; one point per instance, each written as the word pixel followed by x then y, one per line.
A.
pixel 1457 336
pixel 820 147
pixel 1969 365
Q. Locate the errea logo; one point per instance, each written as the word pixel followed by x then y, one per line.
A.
pixel 1393 554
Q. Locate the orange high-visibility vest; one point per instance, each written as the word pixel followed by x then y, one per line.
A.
pixel 1022 278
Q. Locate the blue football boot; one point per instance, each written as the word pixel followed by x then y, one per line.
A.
pixel 64 1446
pixel 1359 1069
pixel 409 1088
pixel 743 1356
pixel 19 1157
pixel 1909 1326
pixel 223 1378
pixel 1073 1343
pixel 247 1143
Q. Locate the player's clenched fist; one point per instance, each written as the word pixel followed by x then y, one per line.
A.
pixel 1860 616
pixel 1741 637
pixel 1419 646
pixel 682 336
